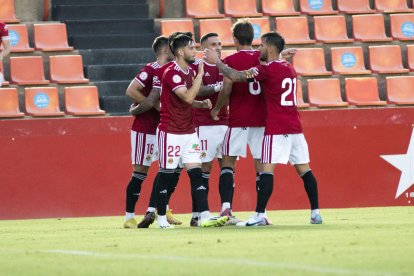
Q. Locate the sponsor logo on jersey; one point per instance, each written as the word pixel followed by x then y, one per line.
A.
pixel 176 79
pixel 143 75
pixel 196 147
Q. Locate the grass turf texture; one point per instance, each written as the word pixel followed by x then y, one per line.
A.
pixel 367 241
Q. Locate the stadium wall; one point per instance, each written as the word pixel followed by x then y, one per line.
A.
pixel 80 166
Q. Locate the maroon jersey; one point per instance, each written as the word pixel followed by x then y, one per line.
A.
pixel 159 72
pixel 278 81
pixel 246 99
pixel 176 115
pixel 212 77
pixel 147 122
pixel 4 33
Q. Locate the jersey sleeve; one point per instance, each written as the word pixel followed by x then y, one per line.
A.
pixel 262 73
pixel 145 76
pixel 4 33
pixel 156 79
pixel 173 79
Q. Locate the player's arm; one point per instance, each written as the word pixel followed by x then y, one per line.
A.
pixel 134 91
pixel 202 104
pixel 207 90
pixel 6 50
pixel 188 95
pixel 152 101
pixel 223 98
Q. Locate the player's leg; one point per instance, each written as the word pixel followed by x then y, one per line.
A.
pixel 149 216
pixel 170 190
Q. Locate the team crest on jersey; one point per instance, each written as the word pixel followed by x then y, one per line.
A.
pixel 176 79
pixel 143 75
pixel 148 157
pixel 170 160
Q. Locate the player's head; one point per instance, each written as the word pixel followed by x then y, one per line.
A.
pixel 272 44
pixel 183 47
pixel 243 32
pixel 170 38
pixel 160 47
pixel 211 41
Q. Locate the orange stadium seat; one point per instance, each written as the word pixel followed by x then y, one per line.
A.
pixel 82 101
pixel 240 8
pixel 169 27
pixel 316 7
pixel 331 29
pixel 67 69
pixel 376 30
pixel 362 91
pixel 226 53
pixel 325 93
pixel 51 37
pixel 310 62
pixel 299 95
pixel 9 103
pixel 42 101
pixel 27 70
pixel 220 26
pixel 202 9
pixel 294 30
pixel 278 8
pixel 7 13
pixel 391 6
pixel 260 27
pixel 402 26
pixel 400 90
pixel 354 7
pixel 19 38
pixel 2 71
pixel 410 57
pixel 348 60
pixel 386 59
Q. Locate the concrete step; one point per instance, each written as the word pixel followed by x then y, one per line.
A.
pixel 110 26
pixel 112 72
pixel 111 41
pixel 96 2
pixel 112 88
pixel 117 56
pixel 116 105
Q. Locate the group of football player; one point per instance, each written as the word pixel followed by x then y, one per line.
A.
pixel 191 111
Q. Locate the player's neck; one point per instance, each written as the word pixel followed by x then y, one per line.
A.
pixel 244 47
pixel 272 57
pixel 162 59
pixel 182 64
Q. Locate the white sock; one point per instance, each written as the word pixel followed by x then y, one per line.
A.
pixel 315 212
pixel 195 214
pixel 205 215
pixel 129 215
pixel 226 205
pixel 162 220
pixel 259 216
pixel 151 209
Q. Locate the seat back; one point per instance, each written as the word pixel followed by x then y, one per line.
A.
pixel 240 8
pixel 354 7
pixel 400 90
pixel 260 27
pixel 9 103
pixel 27 70
pixel 410 56
pixel 348 60
pixel 202 9
pixel 299 95
pixel 169 27
pixel 278 8
pixel 51 37
pixel 4 78
pixel 67 69
pixel 19 38
pixel 42 101
pixel 402 26
pixel 310 62
pixel 294 30
pixel 376 30
pixel 331 29
pixel 325 92
pixel 7 13
pixel 392 6
pixel 386 59
pixel 361 90
pixel 82 100
pixel 314 7
pixel 220 26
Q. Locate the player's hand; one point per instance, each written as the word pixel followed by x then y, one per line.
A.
pixel 218 87
pixel 133 108
pixel 207 104
pixel 214 114
pixel 201 69
pixel 288 53
pixel 211 56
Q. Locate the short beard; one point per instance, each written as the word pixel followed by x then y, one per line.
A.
pixel 189 61
pixel 263 58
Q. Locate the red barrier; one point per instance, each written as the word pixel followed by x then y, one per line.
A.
pixel 81 166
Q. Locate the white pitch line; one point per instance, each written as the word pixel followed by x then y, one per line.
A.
pixel 275 265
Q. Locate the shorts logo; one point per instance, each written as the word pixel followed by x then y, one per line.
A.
pixel 148 158
pixel 176 79
pixel 170 160
pixel 203 154
pixel 196 147
pixel 143 75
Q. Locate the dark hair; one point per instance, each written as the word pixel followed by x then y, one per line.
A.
pixel 207 36
pixel 173 35
pixel 178 42
pixel 159 42
pixel 243 31
pixel 275 39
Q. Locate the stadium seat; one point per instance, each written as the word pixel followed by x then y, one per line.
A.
pixel 376 30
pixel 325 93
pixel 410 57
pixel 402 26
pixel 279 8
pixel 348 60
pixel 362 91
pixel 220 26
pixel 169 27
pixel 386 59
pixel 9 103
pixel 260 26
pixel 310 62
pixel 7 14
pixel 299 95
pixel 241 8
pixel 67 69
pixel 82 101
pixel 331 29
pixel 400 90
pixel 51 37
pixel 316 7
pixel 354 7
pixel 202 9
pixel 2 70
pixel 19 38
pixel 391 6
pixel 27 70
pixel 42 101
pixel 226 53
pixel 294 30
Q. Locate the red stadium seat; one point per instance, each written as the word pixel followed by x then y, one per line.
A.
pixel 241 8
pixel 279 8
pixel 299 95
pixel 202 9
pixel 410 56
pixel 42 102
pixel 386 59
pixel 294 30
pixel 260 26
pixel 67 69
pixel 220 26
pixel 169 27
pixel 19 38
pixel 331 29
pixel 82 101
pixel 9 103
pixel 51 37
pixel 27 70
pixel 354 7
pixel 400 90
pixel 362 92
pixel 348 60
pixel 310 62
pixel 7 13
pixel 316 7
pixel 376 30
pixel 402 26
pixel 325 93
pixel 2 71
pixel 391 6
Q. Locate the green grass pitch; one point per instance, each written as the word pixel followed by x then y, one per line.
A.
pixel 360 241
